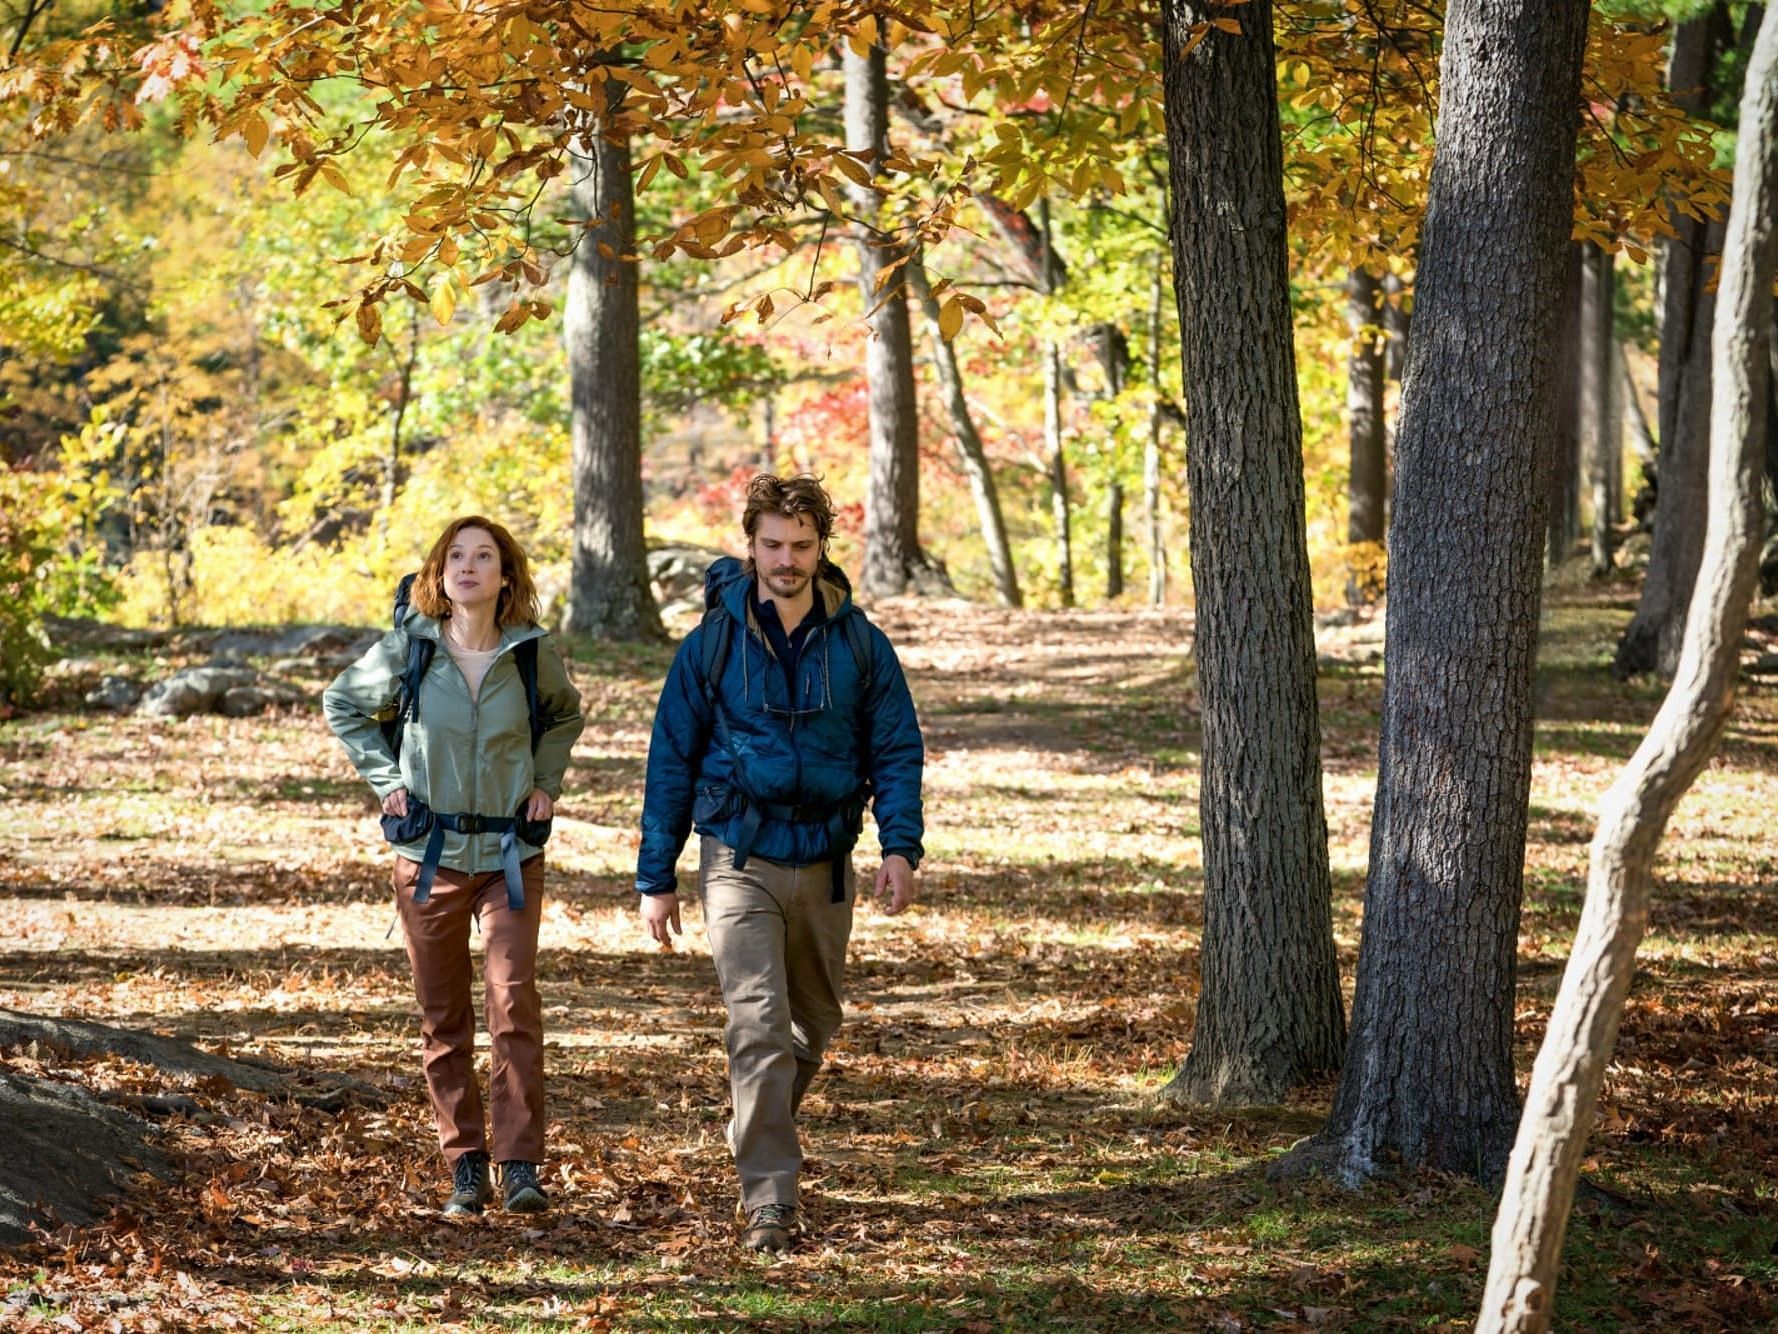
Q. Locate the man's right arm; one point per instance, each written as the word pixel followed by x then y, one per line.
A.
pixel 675 754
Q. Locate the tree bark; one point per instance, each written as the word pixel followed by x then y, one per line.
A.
pixel 608 592
pixel 1057 460
pixel 1114 540
pixel 1565 1082
pixel 1651 641
pixel 1597 441
pixel 971 457
pixel 1151 451
pixel 1642 444
pixel 1428 1078
pixel 1398 324
pixel 893 562
pixel 1364 407
pixel 1269 1010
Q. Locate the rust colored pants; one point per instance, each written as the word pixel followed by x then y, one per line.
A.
pixel 437 933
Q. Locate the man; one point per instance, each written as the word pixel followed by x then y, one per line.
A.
pixel 783 713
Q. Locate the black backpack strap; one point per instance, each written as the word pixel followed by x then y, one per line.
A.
pixel 524 656
pixel 714 645
pixel 857 632
pixel 407 690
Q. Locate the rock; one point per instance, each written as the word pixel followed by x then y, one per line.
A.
pixel 67 667
pixel 194 690
pixel 117 693
pixel 677 571
pixel 84 632
pixel 1339 616
pixel 243 702
pixel 309 641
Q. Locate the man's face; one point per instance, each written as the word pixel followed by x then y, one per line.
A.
pixel 785 551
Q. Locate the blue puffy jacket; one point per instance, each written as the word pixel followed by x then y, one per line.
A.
pixel 802 753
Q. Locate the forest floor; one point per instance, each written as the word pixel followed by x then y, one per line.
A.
pixel 987 1150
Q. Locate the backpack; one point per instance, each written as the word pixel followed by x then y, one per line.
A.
pixel 419 658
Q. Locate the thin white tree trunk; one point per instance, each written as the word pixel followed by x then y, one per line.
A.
pixel 1541 1175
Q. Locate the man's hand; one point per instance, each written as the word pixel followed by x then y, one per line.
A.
pixel 895 884
pixel 396 803
pixel 538 806
pixel 659 911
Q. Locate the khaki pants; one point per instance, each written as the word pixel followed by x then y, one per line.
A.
pixel 779 942
pixel 437 933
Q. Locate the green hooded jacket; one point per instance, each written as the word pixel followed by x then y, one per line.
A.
pixel 460 755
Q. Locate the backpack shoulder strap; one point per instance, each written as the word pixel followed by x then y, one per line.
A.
pixel 407 690
pixel 857 632
pixel 713 644
pixel 524 656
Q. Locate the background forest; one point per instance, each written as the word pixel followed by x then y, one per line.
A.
pixel 1144 347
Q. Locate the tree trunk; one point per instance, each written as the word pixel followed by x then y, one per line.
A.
pixel 1428 1078
pixel 1641 442
pixel 1151 451
pixel 1651 642
pixel 1114 540
pixel 1397 323
pixel 1364 406
pixel 893 562
pixel 1058 470
pixel 1597 441
pixel 1565 1082
pixel 608 592
pixel 1269 1011
pixel 1564 466
pixel 971 457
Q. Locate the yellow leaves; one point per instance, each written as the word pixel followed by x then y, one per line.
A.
pixel 256 131
pixel 862 38
pixel 444 299
pixel 950 318
pixel 852 166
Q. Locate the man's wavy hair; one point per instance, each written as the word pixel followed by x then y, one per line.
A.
pixel 518 595
pixel 798 497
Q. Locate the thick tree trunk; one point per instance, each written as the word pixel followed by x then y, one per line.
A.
pixel 1428 1078
pixel 1269 1011
pixel 971 457
pixel 893 562
pixel 1151 451
pixel 1651 642
pixel 1597 440
pixel 608 593
pixel 1563 473
pixel 1565 1082
pixel 1364 407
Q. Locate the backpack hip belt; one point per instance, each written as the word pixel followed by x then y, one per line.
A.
pixel 469 823
pixel 842 818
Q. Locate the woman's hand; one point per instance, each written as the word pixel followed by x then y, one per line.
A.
pixel 396 803
pixel 538 806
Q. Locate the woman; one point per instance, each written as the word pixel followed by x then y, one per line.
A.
pixel 468 787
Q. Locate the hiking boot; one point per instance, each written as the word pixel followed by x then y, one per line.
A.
pixel 769 1227
pixel 470 1187
pixel 523 1193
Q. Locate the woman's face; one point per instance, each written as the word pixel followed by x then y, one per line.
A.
pixel 472 573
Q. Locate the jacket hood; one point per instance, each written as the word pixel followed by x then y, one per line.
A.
pixel 729 579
